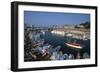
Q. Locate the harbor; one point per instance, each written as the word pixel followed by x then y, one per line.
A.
pixel 47 44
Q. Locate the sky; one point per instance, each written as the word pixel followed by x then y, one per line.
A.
pixel 37 18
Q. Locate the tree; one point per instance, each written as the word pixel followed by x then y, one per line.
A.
pixel 86 25
pixel 76 26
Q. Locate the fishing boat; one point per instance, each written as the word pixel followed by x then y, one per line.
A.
pixel 74 45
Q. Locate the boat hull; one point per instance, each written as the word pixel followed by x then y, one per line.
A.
pixel 74 46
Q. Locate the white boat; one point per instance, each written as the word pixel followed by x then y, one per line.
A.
pixel 74 45
pixel 43 32
pixel 68 35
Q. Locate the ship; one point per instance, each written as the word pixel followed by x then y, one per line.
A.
pixel 74 45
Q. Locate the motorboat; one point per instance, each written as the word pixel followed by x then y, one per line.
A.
pixel 74 45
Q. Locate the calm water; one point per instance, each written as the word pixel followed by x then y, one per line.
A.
pixel 56 40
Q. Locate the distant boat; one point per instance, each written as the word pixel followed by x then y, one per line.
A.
pixel 86 37
pixel 68 35
pixel 43 32
pixel 74 45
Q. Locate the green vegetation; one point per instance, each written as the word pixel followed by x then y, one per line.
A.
pixel 86 25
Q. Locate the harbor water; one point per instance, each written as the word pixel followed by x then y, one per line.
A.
pixel 58 40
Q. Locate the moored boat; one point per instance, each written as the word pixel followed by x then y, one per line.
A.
pixel 74 45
